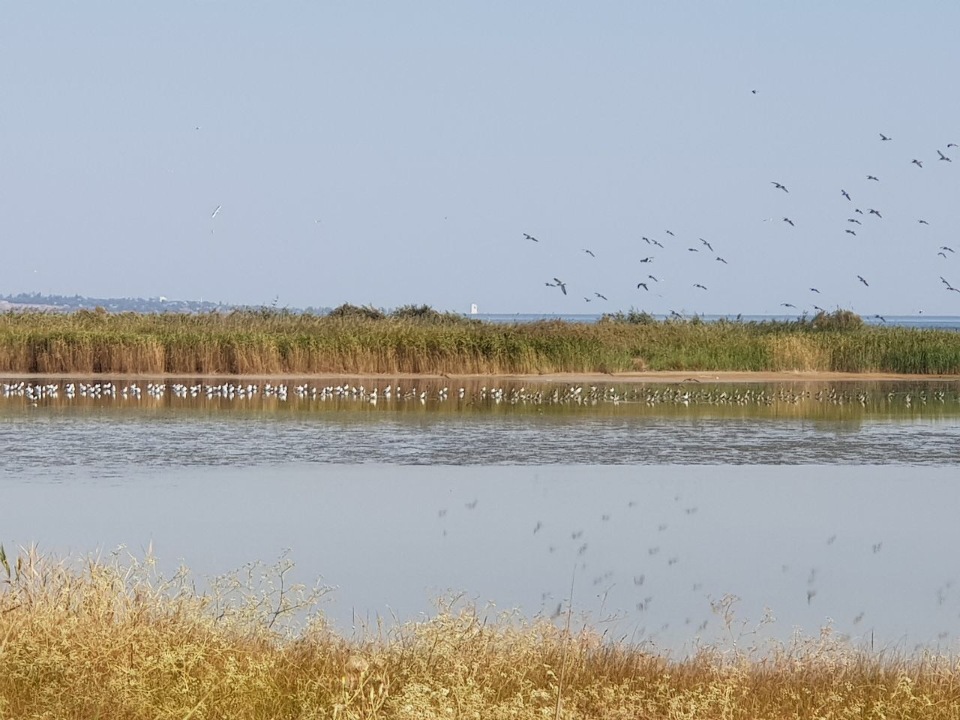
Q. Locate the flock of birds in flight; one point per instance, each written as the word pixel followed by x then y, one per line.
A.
pixel 650 279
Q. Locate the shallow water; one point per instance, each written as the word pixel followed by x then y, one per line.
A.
pixel 842 514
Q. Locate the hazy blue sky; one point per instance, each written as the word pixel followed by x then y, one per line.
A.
pixel 395 153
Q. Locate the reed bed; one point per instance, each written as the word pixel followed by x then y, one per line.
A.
pixel 93 637
pixel 275 342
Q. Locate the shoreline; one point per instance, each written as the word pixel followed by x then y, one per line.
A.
pixel 632 378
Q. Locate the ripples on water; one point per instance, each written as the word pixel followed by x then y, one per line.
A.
pixel 659 425
pixel 830 505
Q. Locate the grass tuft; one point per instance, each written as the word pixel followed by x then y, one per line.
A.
pixel 111 638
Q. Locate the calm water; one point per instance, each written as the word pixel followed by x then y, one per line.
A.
pixel 824 504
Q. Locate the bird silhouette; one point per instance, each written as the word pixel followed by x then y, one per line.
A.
pixel 917 163
pixel 698 285
pixel 779 186
pixel 875 212
pixel 922 221
pixel 589 252
pixel 692 250
pixel 647 260
pixel 669 233
pixel 653 278
pixel 788 220
pixel 602 297
pixel 709 246
pixel 561 284
pixel 845 193
pixel 943 157
pixel 815 290
pixel 854 220
pixel 788 305
pixel 884 137
pixel 643 285
pixel 947 248
pixel 720 259
pixel 860 278
pixel 873 177
pixel 850 232
pixel 530 237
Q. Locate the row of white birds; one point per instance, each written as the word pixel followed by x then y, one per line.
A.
pixel 682 394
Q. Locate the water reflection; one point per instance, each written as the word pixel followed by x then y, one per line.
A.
pixel 648 548
pixel 825 503
pixel 811 400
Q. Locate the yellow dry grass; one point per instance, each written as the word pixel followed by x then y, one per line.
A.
pixel 109 638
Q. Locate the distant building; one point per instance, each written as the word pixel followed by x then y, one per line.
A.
pixel 473 308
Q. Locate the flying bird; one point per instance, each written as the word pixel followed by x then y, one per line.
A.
pixel 942 254
pixel 692 250
pixel 943 157
pixel 653 278
pixel 845 193
pixel 875 212
pixel 815 290
pixel 589 252
pixel 643 285
pixel 922 221
pixel 216 211
pixel 860 278
pixel 884 137
pixel 851 232
pixel 779 186
pixel 947 248
pixel 602 297
pixel 587 299
pixel 854 220
pixel 720 259
pixel 873 177
pixel 561 284
pixel 698 285
pixel 858 210
pixel 881 318
pixel 917 162
pixel 647 260
pixel 530 237
pixel 788 305
pixel 951 145
pixel 707 244
pixel 788 220
pixel 669 233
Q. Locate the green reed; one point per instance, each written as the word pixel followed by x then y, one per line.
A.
pixel 416 341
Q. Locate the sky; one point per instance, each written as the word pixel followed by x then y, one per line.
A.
pixel 397 153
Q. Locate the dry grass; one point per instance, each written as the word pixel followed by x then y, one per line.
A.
pixel 413 341
pixel 109 638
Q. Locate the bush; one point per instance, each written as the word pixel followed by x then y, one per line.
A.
pixel 366 312
pixel 843 320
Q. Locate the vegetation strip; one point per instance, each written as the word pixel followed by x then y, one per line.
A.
pixel 423 341
pixel 112 638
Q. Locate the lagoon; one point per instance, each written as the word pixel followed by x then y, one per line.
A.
pixel 826 513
